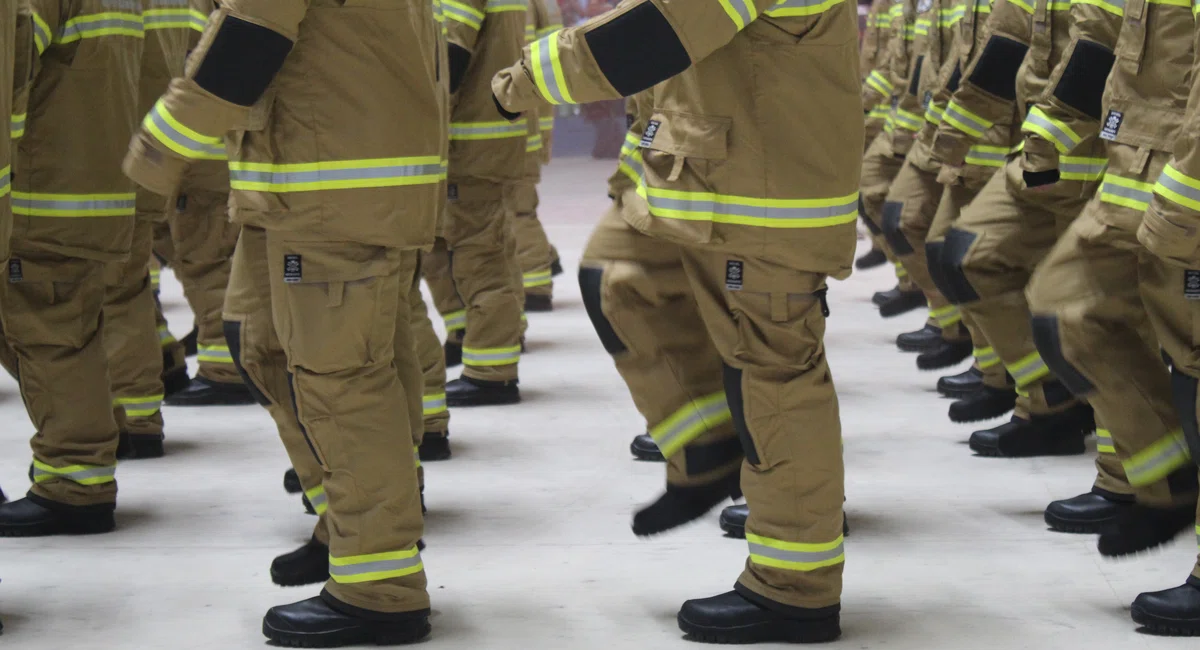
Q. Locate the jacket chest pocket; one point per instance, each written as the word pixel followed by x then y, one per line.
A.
pixel 683 157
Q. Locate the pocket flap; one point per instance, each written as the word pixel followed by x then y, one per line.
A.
pixel 688 136
pixel 307 262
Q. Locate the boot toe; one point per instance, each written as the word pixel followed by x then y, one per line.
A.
pixel 680 505
pixel 986 404
pixel 1173 612
pixel 961 385
pixel 732 618
pixel 644 448
pixel 37 517
pixel 291 482
pixel 733 520
pixel 1141 528
pixel 474 392
pixel 306 565
pixel 133 446
pixel 204 392
pixel 944 355
pixel 435 446
pixel 1087 514
pixel 870 260
pixel 921 340
pixel 905 302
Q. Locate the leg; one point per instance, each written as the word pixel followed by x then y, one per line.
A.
pixel 878 171
pixel 436 269
pixel 435 444
pixel 534 253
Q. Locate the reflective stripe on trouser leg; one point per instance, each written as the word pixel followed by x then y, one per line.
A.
pixel 1157 461
pixel 947 316
pixel 1029 370
pixel 356 569
pixel 317 499
pixel 139 407
pixel 433 404
pixel 1104 442
pixel 455 321
pixel 214 354
pixel 794 556
pixel 986 358
pixel 432 360
pixel 80 474
pixel 689 422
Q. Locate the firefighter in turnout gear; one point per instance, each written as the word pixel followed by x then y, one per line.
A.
pixel 333 212
pixel 16 44
pixel 73 214
pixel 989 253
pixel 729 228
pixel 876 42
pixel 1100 295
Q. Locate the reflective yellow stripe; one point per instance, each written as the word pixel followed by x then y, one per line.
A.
pixel 5 181
pixel 499 6
pixel 537 279
pixel 455 320
pixel 108 23
pixel 1022 4
pixel 336 174
pixel 1028 370
pixel 317 499
pixel 140 407
pixel 1178 187
pixel 1156 462
pixel 73 205
pixel 214 354
pixel 880 112
pixel 433 404
pixel 880 83
pixel 986 358
pixel 462 13
pixel 546 123
pixel 901 272
pixel 1058 133
pixel 178 16
pixel 946 316
pixel 1127 193
pixel 906 120
pixel 490 357
pixel 791 8
pixel 16 127
pixel 794 556
pixel 1104 442
pixel 547 70
pixel 80 474
pixel 1115 7
pixel 41 33
pixel 197 20
pixel 1081 168
pixel 533 143
pixel 179 138
pixel 417 456
pixel 488 130
pixel 966 121
pixel 741 12
pixel 376 566
pixel 934 113
pixel 690 422
pixel 988 156
pixel 530 33
pixel 164 336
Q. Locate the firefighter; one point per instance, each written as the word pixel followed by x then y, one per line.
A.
pixel 876 104
pixel 711 226
pixel 333 212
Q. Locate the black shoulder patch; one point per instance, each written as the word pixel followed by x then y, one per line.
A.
pixel 242 62
pixel 1083 80
pixel 638 49
pixel 955 78
pixel 996 70
pixel 915 83
pixel 458 60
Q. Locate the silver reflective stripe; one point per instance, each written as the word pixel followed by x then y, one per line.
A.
pixel 483 131
pixel 546 63
pixel 1143 196
pixel 507 5
pixel 82 476
pixel 1186 191
pixel 40 34
pixel 461 15
pixel 801 557
pixel 703 206
pixel 318 500
pixel 191 144
pixel 434 403
pixel 379 566
pixel 1083 169
pixel 991 156
pixel 953 112
pixel 692 425
pixel 1143 470
pixel 325 175
pixel 476 356
pixel 149 406
pixel 74 206
pixel 214 353
pixel 5 181
pixel 83 28
pixel 1062 137
pixel 744 9
pixel 169 19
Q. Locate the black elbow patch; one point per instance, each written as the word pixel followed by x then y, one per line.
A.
pixel 1082 83
pixel 459 59
pixel 996 70
pixel 638 49
pixel 242 62
pixel 955 78
pixel 914 84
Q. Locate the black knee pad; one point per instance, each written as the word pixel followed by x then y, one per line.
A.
pixel 1049 345
pixel 892 213
pixel 233 339
pixel 862 212
pixel 933 252
pixel 702 459
pixel 1056 393
pixel 1183 396
pixel 590 281
pixel 958 289
pixel 732 379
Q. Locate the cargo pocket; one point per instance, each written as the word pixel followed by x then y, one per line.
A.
pixel 46 301
pixel 1165 238
pixel 683 157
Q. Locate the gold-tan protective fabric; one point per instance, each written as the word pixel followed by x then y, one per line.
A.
pixel 130 337
pixel 435 268
pixel 879 168
pixel 429 354
pixel 535 253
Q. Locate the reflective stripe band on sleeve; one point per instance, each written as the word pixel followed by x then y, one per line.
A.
pixel 922 26
pixel 986 358
pixel 1081 168
pixel 455 320
pixel 417 456
pixel 489 357
pixel 73 205
pixel 433 404
pixel 81 474
pixel 1156 462
pixel 1058 133
pixel 946 316
pixel 880 112
pixel 1028 370
pixel 546 123
pixel 988 156
pixel 16 127
pixel 376 566
pixel 1178 187
pixel 533 143
pixel 934 113
pixel 537 279
pixel 140 407
pixel 1115 7
pixel 1104 442
pixel 690 422
pixel 109 23
pixel 5 181
pixel 966 121
pixel 794 556
pixel 547 69
pixel 901 272
pixel 214 354
pixel 41 33
pixel 336 174
pixel 197 20
pixel 1127 193
pixel 462 13
pixel 791 8
pixel 530 33
pixel 179 138
pixel 499 6
pixel 165 337
pixel 880 83
pixel 1023 4
pixel 317 499
pixel 174 15
pixel 906 120
pixel 488 130
pixel 741 12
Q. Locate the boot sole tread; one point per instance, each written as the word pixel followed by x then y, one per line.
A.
pixel 779 631
pixel 1165 627
pixel 345 637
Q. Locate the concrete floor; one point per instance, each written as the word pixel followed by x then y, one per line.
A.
pixel 528 529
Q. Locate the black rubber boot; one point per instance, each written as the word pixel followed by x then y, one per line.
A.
pixel 203 392
pixel 985 404
pixel 308 506
pixel 947 354
pixel 1060 434
pixel 963 384
pixel 307 565
pixel 556 268
pixel 324 622
pixel 680 505
pixel 132 446
pixel 465 391
pixel 880 297
pixel 538 303
pixel 1087 514
pixel 1174 612
pixel 734 618
pixel 870 260
pixel 435 446
pixel 291 482
pixel 903 303
pixel 643 447
pixel 733 521
pixel 1141 528
pixel 175 381
pixel 34 516
pixel 453 351
pixel 926 338
pixel 190 343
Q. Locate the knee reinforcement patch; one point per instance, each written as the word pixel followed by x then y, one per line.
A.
pixel 1083 80
pixel 732 379
pixel 955 78
pixel 1183 396
pixel 242 61
pixel 638 49
pixel 892 213
pixel 914 84
pixel 590 283
pixel 933 252
pixel 702 459
pixel 958 289
pixel 1049 345
pixel 996 69
pixel 862 212
pixel 233 339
